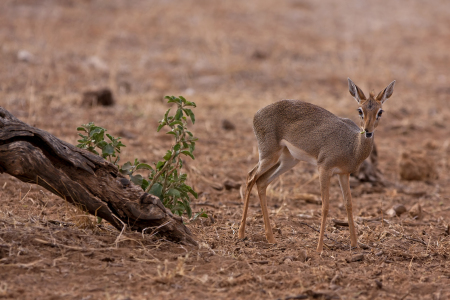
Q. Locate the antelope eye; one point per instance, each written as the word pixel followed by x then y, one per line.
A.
pixel 380 113
pixel 360 112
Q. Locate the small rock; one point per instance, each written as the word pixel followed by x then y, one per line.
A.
pixel 227 125
pixel 231 184
pixel 340 223
pixel 108 259
pixel 25 56
pixel 379 284
pixel 260 55
pixel 213 184
pixel 97 63
pixel 127 134
pixel 431 145
pixel 125 182
pixel 416 211
pixel 308 198
pixel 288 261
pixel 124 87
pixel 357 257
pixel 396 210
pixel 302 256
pixel 415 165
pixel 102 97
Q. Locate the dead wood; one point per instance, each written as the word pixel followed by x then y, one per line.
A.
pixel 83 179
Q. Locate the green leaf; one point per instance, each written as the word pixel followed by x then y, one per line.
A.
pixel 96 130
pixel 192 147
pixel 98 137
pixel 187 206
pixel 144 166
pixel 176 147
pixel 119 144
pixel 168 155
pixel 92 149
pixel 172 132
pixel 81 129
pixel 190 114
pixel 175 123
pixel 201 214
pixel 161 125
pixel 165 116
pixel 189 103
pixel 179 114
pixel 101 144
pixel 156 190
pixel 182 99
pixel 137 179
pixel 173 192
pixel 126 172
pixel 188 153
pixel 191 191
pixel 127 166
pixel 160 164
pixel 108 149
pixel 173 100
pixel 144 184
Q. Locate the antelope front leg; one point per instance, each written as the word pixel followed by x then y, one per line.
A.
pixel 324 178
pixel 265 212
pixel 250 182
pixel 345 187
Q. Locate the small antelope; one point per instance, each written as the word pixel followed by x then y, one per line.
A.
pixel 290 131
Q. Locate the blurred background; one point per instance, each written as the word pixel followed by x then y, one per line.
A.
pixel 231 58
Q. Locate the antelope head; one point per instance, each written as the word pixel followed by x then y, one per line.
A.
pixel 370 110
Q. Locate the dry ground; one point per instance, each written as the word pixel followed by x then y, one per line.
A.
pixel 231 58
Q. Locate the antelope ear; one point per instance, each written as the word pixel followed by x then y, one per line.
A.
pixel 355 91
pixel 386 93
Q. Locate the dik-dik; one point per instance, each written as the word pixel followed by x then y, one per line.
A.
pixel 290 131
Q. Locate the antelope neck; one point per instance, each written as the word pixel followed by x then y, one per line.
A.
pixel 363 147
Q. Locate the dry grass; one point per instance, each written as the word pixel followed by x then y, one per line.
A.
pixel 231 58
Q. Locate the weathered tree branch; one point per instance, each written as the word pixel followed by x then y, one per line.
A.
pixel 82 178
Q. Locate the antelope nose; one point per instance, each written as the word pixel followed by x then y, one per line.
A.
pixel 369 134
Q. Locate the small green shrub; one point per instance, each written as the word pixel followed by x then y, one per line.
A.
pixel 165 179
pixel 95 138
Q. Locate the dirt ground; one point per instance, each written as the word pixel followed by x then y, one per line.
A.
pixel 232 58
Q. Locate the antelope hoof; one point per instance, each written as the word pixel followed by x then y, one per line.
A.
pixel 270 239
pixel 319 248
pixel 241 234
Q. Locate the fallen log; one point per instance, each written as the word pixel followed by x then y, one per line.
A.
pixel 83 179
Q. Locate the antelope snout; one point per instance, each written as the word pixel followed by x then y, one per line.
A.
pixel 369 134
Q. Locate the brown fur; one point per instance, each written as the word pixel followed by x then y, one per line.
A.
pixel 289 131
